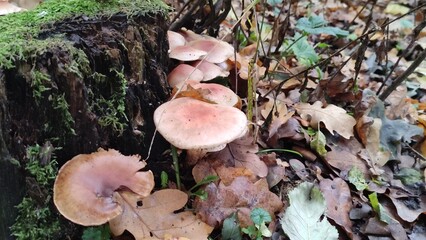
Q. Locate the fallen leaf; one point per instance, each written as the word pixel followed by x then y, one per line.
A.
pixel 339 202
pixel 240 196
pixel 241 153
pixel 409 208
pixel 303 220
pixel 152 217
pixel 333 117
pixel 279 112
pixel 347 150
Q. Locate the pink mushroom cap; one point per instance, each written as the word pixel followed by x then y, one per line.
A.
pixel 193 124
pixel 85 186
pixel 182 73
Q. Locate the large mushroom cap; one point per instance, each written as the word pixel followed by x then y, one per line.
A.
pixel 85 186
pixel 218 94
pixel 192 124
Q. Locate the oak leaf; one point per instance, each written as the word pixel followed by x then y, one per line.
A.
pixel 333 117
pixel 152 217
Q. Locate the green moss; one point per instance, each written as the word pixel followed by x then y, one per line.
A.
pixel 35 219
pixel 20 31
pixel 110 109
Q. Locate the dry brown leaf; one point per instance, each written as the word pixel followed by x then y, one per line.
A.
pixel 153 218
pixel 339 202
pixel 241 153
pixel 280 115
pixel 333 117
pixel 226 175
pixel 409 209
pixel 241 195
pixel 344 155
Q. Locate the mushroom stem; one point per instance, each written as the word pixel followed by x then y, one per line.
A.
pixel 176 165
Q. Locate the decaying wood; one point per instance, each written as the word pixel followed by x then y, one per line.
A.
pixel 116 48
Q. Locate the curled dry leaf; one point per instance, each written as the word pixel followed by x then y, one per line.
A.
pixel 241 195
pixel 409 209
pixel 152 217
pixel 333 117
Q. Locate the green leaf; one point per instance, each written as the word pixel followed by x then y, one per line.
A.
pixel 302 219
pixel 378 208
pixel 259 216
pixel 318 143
pixel 303 50
pixel 96 233
pixel 231 228
pixel 318 25
pixel 250 230
pixel 356 177
pixel 409 176
pixel 164 179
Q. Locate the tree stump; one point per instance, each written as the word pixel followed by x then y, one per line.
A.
pixel 77 75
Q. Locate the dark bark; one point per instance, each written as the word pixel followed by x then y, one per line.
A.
pixel 133 48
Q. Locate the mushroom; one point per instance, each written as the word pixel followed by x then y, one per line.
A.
pixel 210 70
pixel 7 8
pixel 182 73
pixel 186 53
pixel 193 124
pixel 217 51
pixel 85 188
pixel 175 40
pixel 218 94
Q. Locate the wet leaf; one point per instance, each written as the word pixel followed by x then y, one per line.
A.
pixel 152 217
pixel 241 153
pixel 315 24
pixel 409 176
pixel 339 202
pixel 302 219
pixel 332 117
pixel 318 143
pixel 357 179
pixel 241 196
pixel 378 208
pixel 231 228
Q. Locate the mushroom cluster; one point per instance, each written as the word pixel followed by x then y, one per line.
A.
pixel 201 116
pixel 206 57
pixel 85 190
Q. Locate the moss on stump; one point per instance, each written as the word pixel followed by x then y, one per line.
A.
pixel 79 75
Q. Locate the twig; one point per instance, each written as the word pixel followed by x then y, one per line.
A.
pixel 403 76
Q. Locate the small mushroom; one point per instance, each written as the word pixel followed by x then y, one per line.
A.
pixel 175 39
pixel 182 73
pixel 193 124
pixel 186 53
pixel 210 70
pixel 217 51
pixel 85 188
